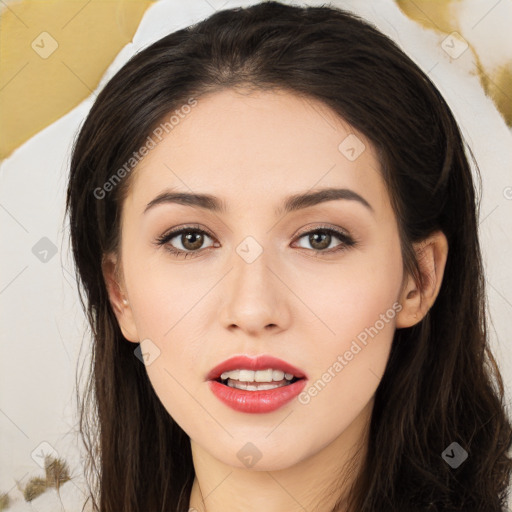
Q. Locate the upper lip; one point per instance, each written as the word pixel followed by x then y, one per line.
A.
pixel 261 362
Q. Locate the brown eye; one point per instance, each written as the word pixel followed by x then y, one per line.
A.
pixel 189 241
pixel 321 239
pixel 184 241
pixel 192 241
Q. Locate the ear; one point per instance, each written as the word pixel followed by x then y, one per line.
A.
pixel 117 296
pixel 417 299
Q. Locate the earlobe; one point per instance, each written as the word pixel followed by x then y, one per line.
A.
pixel 418 297
pixel 410 300
pixel 118 301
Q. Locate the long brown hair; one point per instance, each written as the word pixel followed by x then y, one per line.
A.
pixel 441 383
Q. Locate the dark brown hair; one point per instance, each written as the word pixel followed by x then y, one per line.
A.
pixel 441 383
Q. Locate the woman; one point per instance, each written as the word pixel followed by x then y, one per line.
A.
pixel 274 222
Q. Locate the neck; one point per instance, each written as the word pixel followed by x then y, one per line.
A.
pixel 315 484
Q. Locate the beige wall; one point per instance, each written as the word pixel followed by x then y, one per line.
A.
pixel 52 56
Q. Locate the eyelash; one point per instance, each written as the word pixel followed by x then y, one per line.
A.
pixel 347 241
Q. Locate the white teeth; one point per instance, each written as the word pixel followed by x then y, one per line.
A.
pixel 263 376
pixel 277 375
pixel 246 376
pixel 234 374
pixel 268 375
pixel 254 387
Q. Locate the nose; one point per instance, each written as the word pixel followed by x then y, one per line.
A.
pixel 255 298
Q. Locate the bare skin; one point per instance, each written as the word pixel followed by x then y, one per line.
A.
pixel 252 151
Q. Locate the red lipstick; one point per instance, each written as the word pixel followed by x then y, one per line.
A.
pixel 258 401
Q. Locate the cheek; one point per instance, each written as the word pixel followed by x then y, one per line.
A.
pixel 164 294
pixel 166 305
pixel 357 306
pixel 354 297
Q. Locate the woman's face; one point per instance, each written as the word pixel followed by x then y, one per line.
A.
pixel 252 283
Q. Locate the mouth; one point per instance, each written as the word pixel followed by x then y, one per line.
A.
pixel 265 383
pixel 259 369
pixel 256 385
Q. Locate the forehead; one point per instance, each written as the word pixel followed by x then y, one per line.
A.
pixel 253 146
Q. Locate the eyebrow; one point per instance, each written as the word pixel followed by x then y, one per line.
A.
pixel 292 203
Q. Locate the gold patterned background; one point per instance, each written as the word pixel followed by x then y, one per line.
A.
pixel 53 54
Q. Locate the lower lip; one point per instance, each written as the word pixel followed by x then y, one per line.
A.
pixel 256 402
